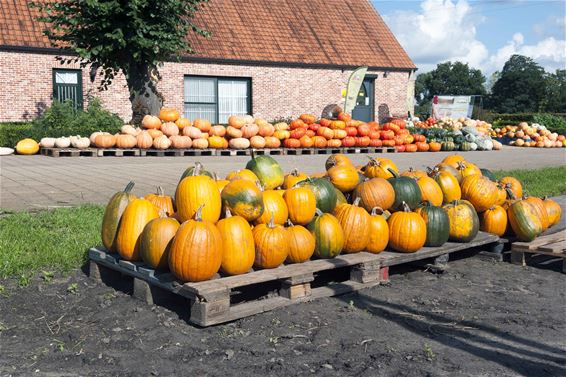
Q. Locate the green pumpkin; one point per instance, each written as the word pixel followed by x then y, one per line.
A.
pixel 524 220
pixel 198 169
pixel 324 191
pixel 328 235
pixel 464 221
pixel 487 173
pixel 406 190
pixel 465 146
pixel 447 146
pixel 267 170
pixel 243 198
pixel 112 215
pixel 437 224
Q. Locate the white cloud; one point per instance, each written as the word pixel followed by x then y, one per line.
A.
pixel 445 30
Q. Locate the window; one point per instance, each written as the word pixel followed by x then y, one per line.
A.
pixel 216 98
pixel 68 86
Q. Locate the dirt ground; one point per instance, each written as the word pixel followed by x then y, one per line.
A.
pixel 479 318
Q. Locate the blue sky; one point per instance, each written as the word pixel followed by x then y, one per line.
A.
pixel 483 33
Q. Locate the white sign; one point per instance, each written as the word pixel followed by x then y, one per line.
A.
pixel 452 107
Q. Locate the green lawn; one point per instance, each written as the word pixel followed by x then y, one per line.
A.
pixel 539 182
pixel 57 240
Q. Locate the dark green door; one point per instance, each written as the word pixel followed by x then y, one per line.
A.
pixel 364 109
pixel 68 86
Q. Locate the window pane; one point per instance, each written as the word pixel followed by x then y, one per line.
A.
pixel 66 77
pixel 232 98
pixel 200 89
pixel 204 111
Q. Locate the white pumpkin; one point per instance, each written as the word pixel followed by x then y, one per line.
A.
pixel 128 130
pixel 80 142
pixel 5 151
pixel 47 142
pixel 62 142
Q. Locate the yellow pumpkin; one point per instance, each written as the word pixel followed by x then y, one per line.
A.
pixel 480 191
pixel 137 214
pixel 301 204
pixel 301 244
pixel 194 191
pixel 238 241
pixel 293 178
pixel 430 190
pixel 378 231
pixel 273 203
pixel 27 146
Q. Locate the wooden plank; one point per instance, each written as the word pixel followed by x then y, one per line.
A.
pixel 540 252
pixel 543 240
pixel 555 247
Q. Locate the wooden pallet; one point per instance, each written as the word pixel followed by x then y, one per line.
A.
pixel 553 245
pixel 225 299
pixel 117 152
pixel 68 152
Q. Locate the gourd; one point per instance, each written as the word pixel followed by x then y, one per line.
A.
pixel 239 143
pixel 301 204
pixel 62 142
pixel 355 222
pixel 324 192
pixel 494 220
pixel 27 146
pixel 479 191
pixel 271 245
pixel 137 214
pixel 197 249
pixel 195 191
pixel 80 142
pixel 192 132
pixel 267 170
pixel 464 221
pixel 257 142
pixel 378 231
pixel 407 230
pixel 238 242
pixel 161 201
pixel 168 114
pixel 243 198
pixel 437 224
pixel 273 204
pixel 161 142
pixel 524 220
pixel 406 190
pixel 430 190
pixel 155 241
pixel 181 142
pixel 169 129
pixel 328 235
pixel 112 215
pixel 301 243
pixel 375 192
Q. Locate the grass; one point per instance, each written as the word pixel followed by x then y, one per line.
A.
pixel 539 182
pixel 48 240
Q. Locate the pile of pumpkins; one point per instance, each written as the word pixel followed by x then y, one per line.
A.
pixel 260 218
pixel 77 141
pixel 535 135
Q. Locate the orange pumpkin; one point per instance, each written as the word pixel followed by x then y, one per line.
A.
pixel 301 204
pixel 183 122
pixel 344 178
pixel 144 140
pixel 301 244
pixel 553 210
pixel 105 141
pixel 355 222
pixel 430 190
pixel 407 231
pixel 293 178
pixel 379 168
pixel 273 204
pixel 271 245
pixel 378 231
pixel 161 201
pixel 168 114
pixel 494 221
pixel 238 241
pixel 126 141
pixel 155 242
pixel 514 185
pixel 151 122
pixel 135 217
pixel 375 192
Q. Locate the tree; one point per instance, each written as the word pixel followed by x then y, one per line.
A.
pixel 450 79
pixel 520 88
pixel 132 37
pixel 555 96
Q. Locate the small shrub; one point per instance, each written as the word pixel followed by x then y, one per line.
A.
pixel 552 122
pixel 11 133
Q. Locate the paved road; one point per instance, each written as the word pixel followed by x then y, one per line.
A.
pixel 29 182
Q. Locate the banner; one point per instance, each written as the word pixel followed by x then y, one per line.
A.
pixel 452 107
pixel 354 84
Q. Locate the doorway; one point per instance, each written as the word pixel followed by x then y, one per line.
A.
pixel 364 109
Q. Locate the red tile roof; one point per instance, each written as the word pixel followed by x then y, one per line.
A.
pixel 288 32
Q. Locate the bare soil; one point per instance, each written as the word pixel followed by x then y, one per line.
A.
pixel 479 318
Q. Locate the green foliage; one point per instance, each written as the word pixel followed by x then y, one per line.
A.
pixel 11 133
pixel 539 182
pixel 61 238
pixel 552 122
pixel 450 79
pixel 555 96
pixel 520 87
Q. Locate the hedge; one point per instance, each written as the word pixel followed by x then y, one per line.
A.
pixel 11 133
pixel 555 122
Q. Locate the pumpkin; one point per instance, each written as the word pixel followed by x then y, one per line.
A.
pixel 273 204
pixel 271 245
pixel 449 169
pixel 195 191
pixel 169 129
pixel 344 178
pixel 161 142
pixel 406 190
pixel 328 235
pixel 217 142
pixel 407 230
pixel 236 121
pixel 479 191
pixel 168 114
pixel 249 130
pixel 161 201
pixel 105 141
pixel 501 195
pixel 192 132
pixel 340 198
pixel 541 210
pixel 217 131
pixel 243 198
pixel 449 185
pixel 266 130
pixel 238 244
pixel 202 124
pixel 430 190
pixel 301 204
pixel 414 173
pixel 183 122
pixel 272 142
pixel 80 142
pixel 553 210
pixel 144 140
pixel 324 192
pixel 154 133
pixel 220 183
pixel 134 219
pixel 464 221
pixel 437 224
pixel 355 222
pixel 375 192
pixel 196 169
pixel 155 242
pixel 301 244
pixel 378 231
pixel 126 141
pixel 197 249
pixel 267 170
pixel 92 137
pixel 380 168
pixel 293 178
pixel 181 142
pixel 524 220
pixel 27 147
pixel 47 142
pixel 514 185
pixel 467 168
pixel 200 143
pixel 242 174
pixel 112 215
pixel 337 160
pixel 151 122
pixel 257 142
pixel 494 220
pixel 453 160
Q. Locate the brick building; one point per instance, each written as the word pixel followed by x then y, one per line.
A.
pixel 270 58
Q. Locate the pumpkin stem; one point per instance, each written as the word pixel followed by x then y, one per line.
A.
pixel 252 152
pixel 357 201
pixel 197 169
pixel 215 176
pixel 289 222
pixel 259 186
pixel 319 212
pixel 198 213
pixel 393 173
pixel 162 213
pixel 271 223
pixel 295 172
pixel 160 191
pixel 227 213
pixel 510 194
pixel 406 207
pixel 376 211
pixel 129 186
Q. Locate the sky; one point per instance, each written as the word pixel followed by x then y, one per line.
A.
pixel 482 33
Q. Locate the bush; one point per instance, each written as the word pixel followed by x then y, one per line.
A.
pixel 62 119
pixel 552 122
pixel 500 120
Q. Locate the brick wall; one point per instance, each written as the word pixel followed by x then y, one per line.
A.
pixel 276 91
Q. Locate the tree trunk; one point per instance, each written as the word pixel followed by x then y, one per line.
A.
pixel 144 96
